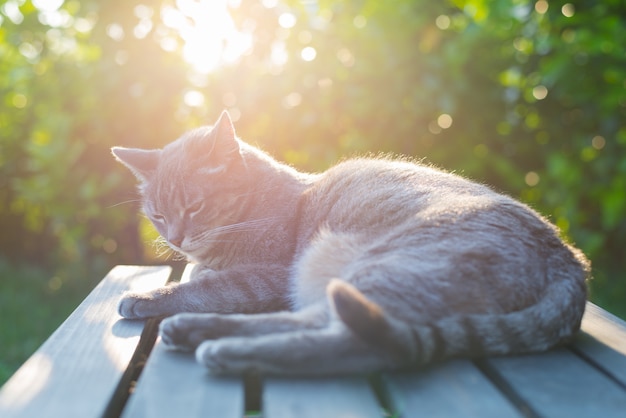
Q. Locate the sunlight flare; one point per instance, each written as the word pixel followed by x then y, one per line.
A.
pixel 208 31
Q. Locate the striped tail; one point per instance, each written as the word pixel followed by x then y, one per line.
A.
pixel 552 320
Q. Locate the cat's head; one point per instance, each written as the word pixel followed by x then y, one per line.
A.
pixel 191 187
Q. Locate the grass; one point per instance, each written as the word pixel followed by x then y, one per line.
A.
pixel 33 303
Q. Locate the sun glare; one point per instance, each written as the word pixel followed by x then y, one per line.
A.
pixel 208 31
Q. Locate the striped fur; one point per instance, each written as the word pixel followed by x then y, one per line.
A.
pixel 374 264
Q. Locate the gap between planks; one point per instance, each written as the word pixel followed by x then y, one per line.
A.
pixel 147 340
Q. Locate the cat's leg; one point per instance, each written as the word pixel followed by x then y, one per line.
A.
pixel 244 289
pixel 186 331
pixel 331 350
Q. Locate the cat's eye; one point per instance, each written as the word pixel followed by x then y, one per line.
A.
pixel 195 208
pixel 159 218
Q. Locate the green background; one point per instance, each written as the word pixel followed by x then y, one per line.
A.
pixel 529 97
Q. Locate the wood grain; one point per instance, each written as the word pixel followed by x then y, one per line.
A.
pixel 319 397
pixel 454 389
pixel 606 327
pixel 603 342
pixel 559 383
pixel 173 384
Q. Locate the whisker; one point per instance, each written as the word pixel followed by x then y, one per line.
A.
pixel 245 226
pixel 162 249
pixel 178 257
pixel 213 241
pixel 123 203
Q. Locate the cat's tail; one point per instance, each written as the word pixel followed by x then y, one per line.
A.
pixel 554 319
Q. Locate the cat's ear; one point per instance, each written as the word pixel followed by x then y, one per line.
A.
pixel 226 143
pixel 141 162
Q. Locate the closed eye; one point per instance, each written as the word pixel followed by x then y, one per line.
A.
pixel 195 208
pixel 159 218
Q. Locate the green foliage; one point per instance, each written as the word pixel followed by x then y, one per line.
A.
pixel 527 96
pixel 33 303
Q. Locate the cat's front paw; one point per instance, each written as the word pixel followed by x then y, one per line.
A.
pixel 175 333
pixel 131 306
pixel 185 331
pixel 210 355
pixel 231 356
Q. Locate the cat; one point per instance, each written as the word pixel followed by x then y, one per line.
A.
pixel 375 264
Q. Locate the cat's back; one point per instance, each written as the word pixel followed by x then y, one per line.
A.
pixel 389 176
pixel 369 192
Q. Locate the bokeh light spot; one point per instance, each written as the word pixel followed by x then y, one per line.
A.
pixel 109 246
pixel 359 21
pixel 19 101
pixel 115 32
pixel 193 98
pixel 568 10
pixel 308 54
pixel 292 100
pixel 444 121
pixel 345 57
pixel 287 20
pixel 541 6
pixel 442 22
pixel 540 92
pixel 598 142
pixel 532 178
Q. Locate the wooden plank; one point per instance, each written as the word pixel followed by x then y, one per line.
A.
pixel 186 276
pixel 319 397
pixel 603 342
pixel 605 327
pixel 558 383
pixel 601 356
pixel 454 389
pixel 76 371
pixel 172 382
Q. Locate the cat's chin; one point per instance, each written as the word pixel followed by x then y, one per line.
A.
pixel 191 256
pixel 188 256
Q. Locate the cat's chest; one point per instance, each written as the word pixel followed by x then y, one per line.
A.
pixel 329 255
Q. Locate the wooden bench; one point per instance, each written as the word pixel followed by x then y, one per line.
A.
pixel 97 364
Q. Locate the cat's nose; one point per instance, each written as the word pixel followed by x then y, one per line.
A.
pixel 177 242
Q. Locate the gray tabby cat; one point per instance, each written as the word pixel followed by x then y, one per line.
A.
pixel 374 264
